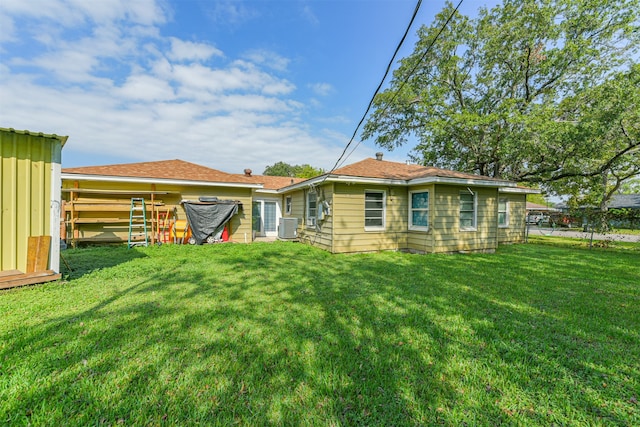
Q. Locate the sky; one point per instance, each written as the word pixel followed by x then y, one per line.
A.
pixel 225 84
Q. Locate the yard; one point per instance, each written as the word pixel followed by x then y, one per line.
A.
pixel 286 334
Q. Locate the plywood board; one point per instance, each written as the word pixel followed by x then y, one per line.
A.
pixel 38 253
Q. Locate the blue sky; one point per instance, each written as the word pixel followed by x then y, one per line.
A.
pixel 225 84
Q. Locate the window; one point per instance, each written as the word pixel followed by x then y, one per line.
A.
pixel 419 210
pixel 503 213
pixel 467 210
pixel 374 204
pixel 287 205
pixel 312 209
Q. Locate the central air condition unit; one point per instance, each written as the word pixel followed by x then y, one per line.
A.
pixel 288 228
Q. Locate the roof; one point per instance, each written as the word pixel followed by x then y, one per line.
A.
pixel 382 169
pixel 619 201
pixel 275 182
pixel 62 139
pixel 396 173
pixel 165 169
pixel 538 207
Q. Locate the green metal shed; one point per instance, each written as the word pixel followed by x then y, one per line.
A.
pixel 29 195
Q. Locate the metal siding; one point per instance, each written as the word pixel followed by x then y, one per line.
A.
pixel 26 164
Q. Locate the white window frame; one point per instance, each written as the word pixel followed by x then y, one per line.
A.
pixel 474 225
pixel 505 211
pixel 311 216
pixel 384 211
pixel 287 205
pixel 412 209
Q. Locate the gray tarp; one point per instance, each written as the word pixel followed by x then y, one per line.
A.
pixel 208 219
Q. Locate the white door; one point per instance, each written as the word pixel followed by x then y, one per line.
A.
pixel 265 215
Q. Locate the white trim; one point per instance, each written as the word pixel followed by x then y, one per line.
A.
pixel 310 221
pixel 519 190
pixel 419 227
pixel 384 211
pixel 507 215
pixel 506 185
pixel 474 227
pixel 138 180
pixel 54 212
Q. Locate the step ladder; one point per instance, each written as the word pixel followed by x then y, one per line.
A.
pixel 138 223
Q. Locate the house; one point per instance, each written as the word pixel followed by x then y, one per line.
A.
pixel 98 199
pixel 377 205
pixel 371 205
pixel 29 206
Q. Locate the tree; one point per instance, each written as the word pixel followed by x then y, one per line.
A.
pixel 604 136
pixel 508 94
pixel 298 171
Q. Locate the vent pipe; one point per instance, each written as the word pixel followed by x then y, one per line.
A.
pixel 247 172
pixel 378 156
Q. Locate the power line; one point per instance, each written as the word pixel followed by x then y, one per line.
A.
pixel 402 84
pixel 364 116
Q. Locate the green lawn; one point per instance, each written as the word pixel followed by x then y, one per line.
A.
pixel 286 334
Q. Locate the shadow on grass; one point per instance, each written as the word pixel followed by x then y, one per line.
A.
pixel 78 262
pixel 287 334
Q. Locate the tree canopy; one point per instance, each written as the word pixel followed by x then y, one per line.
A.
pixel 543 92
pixel 297 171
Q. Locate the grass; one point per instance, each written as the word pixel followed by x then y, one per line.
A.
pixel 285 334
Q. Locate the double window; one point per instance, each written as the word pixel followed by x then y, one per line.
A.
pixel 419 210
pixel 374 210
pixel 467 210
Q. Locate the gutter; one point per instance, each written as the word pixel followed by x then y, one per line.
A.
pixel 103 178
pixel 502 185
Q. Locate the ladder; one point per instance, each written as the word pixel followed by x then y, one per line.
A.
pixel 164 221
pixel 138 223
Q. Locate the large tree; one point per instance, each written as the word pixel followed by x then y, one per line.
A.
pixel 298 171
pixel 514 92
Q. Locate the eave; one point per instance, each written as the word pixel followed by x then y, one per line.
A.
pixel 165 181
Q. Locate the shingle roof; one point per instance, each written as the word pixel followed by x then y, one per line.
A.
pixel 275 182
pixel 619 201
pixel 382 169
pixel 165 169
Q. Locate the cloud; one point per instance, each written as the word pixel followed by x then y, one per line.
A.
pixel 268 59
pixel 191 51
pixel 230 12
pixel 121 90
pixel 321 89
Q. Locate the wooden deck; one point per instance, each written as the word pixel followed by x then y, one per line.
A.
pixel 14 278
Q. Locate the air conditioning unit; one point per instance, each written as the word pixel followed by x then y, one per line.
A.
pixel 288 228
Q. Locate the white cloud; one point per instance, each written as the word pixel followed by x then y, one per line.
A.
pixel 112 85
pixel 230 12
pixel 146 88
pixel 321 89
pixel 269 59
pixel 191 51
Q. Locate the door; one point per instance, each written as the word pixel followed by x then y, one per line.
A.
pixel 265 215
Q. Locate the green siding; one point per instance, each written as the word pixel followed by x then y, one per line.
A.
pixel 25 193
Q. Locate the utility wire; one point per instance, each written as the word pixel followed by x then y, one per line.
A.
pixel 402 84
pixel 386 73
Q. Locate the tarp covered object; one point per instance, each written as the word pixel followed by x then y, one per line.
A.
pixel 208 219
